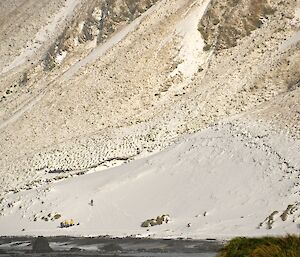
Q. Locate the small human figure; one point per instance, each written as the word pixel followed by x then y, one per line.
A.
pixel 71 222
pixel 62 225
pixel 66 223
pixel 92 202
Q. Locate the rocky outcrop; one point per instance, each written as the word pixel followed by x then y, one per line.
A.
pixel 269 220
pixel 95 22
pixel 228 21
pixel 165 218
pixel 291 212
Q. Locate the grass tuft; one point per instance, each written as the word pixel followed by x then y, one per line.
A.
pixel 288 246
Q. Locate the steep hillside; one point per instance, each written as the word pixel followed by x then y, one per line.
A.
pixel 228 180
pixel 105 82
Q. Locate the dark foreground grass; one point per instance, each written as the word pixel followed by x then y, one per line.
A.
pixel 288 246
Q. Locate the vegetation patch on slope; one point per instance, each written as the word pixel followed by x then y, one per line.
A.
pixel 288 246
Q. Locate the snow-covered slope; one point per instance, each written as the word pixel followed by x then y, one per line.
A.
pixel 221 182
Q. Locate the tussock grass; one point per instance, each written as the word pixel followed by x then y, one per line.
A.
pixel 288 246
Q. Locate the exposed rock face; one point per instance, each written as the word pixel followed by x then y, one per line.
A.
pixel 228 21
pixel 86 26
pixel 94 23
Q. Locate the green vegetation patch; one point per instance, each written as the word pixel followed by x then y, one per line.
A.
pixel 288 246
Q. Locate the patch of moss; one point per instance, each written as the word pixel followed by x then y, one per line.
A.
pixel 288 246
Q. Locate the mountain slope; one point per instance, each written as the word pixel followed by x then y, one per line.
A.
pixel 117 81
pixel 224 181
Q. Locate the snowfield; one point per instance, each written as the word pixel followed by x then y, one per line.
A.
pixel 221 182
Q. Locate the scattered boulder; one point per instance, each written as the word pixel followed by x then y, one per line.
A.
pixel 57 216
pixel 41 245
pixel 165 218
pixel 285 214
pixel 269 220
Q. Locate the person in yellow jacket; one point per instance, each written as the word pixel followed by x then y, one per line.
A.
pixel 71 222
pixel 66 223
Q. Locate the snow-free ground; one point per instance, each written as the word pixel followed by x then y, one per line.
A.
pixel 211 138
